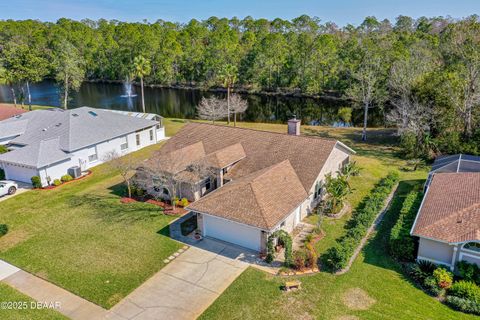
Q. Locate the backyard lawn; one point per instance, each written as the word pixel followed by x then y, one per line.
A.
pixel 80 237
pixel 374 288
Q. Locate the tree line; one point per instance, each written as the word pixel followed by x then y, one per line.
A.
pixel 427 70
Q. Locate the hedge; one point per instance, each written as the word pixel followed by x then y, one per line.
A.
pixel 338 256
pixel 401 244
pixel 464 305
pixel 465 290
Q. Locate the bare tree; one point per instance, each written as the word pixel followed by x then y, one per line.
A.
pixel 237 105
pixel 408 113
pixel 124 165
pixel 212 109
pixel 366 89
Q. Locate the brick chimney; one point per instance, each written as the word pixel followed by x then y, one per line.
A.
pixel 294 126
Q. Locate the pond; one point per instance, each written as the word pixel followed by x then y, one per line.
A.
pixel 181 103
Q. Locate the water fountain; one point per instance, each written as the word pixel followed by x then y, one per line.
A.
pixel 128 89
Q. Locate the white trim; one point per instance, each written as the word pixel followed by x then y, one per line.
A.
pixel 468 255
pixel 459 162
pixel 468 250
pixel 434 261
pixel 211 215
pixel 345 147
pixel 418 212
pixel 455 249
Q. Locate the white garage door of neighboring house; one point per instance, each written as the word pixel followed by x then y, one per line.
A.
pixel 20 173
pixel 238 234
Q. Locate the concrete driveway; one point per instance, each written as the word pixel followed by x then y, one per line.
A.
pixel 186 286
pixel 22 187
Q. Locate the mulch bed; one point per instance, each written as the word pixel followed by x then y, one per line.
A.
pixel 167 208
pixel 64 183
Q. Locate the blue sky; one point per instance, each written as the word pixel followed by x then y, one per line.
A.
pixel 339 11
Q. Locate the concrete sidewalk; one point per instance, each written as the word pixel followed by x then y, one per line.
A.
pixel 69 304
pixel 184 288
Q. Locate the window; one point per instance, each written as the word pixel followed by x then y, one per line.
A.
pixel 138 139
pixel 474 246
pixel 208 184
pixel 151 135
pixel 92 155
pixel 318 190
pixel 124 146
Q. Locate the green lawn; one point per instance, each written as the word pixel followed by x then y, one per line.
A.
pixel 257 295
pixel 80 236
pixel 8 294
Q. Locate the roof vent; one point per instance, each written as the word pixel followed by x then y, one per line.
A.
pixel 75 114
pixel 58 124
pixel 93 113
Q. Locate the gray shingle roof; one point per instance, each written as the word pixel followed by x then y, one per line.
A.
pixel 76 128
pixel 37 155
pixel 49 135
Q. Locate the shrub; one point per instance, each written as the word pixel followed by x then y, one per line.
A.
pixel 299 259
pixel 443 277
pixel 416 273
pixel 3 229
pixel 312 256
pixel 466 290
pixel 408 143
pixel 426 266
pixel 36 182
pixel 431 286
pixel 468 271
pixel 463 305
pixel 3 149
pixel 338 256
pixel 66 178
pixel 57 182
pixel 184 202
pixel 401 244
pixel 2 174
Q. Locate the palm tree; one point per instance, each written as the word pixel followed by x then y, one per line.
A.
pixel 141 68
pixel 229 76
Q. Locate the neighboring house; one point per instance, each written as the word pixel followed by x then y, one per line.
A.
pixel 51 143
pixel 8 111
pixel 448 221
pixel 258 181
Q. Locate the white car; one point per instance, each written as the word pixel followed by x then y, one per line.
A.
pixel 7 187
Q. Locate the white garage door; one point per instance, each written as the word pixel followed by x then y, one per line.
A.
pixel 20 173
pixel 235 233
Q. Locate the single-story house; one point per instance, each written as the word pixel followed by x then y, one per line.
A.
pixel 257 182
pixel 8 111
pixel 448 220
pixel 53 142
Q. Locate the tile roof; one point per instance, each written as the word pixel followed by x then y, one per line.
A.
pixel 261 199
pixel 272 175
pixel 7 111
pixel 451 209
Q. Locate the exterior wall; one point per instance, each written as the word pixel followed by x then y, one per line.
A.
pixel 80 157
pixel 55 171
pixel 467 255
pixel 291 221
pixel 437 252
pixel 333 164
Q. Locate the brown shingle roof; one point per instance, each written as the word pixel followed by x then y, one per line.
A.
pixel 261 199
pixel 178 159
pixel 7 111
pixel 307 155
pixel 451 209
pixel 227 156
